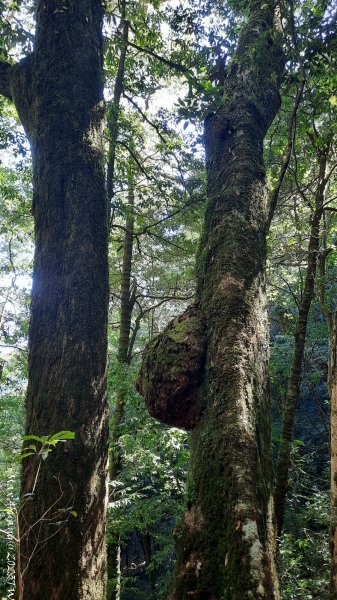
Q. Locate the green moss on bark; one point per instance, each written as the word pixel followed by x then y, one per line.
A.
pixel 172 371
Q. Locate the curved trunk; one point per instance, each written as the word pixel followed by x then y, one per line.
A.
pixel 58 92
pixel 225 541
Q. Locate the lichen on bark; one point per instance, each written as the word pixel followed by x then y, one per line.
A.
pixel 172 371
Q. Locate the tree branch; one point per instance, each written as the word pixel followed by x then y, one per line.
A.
pixel 287 156
pixel 5 88
pixel 145 117
pixel 170 63
pixel 291 125
pixel 138 163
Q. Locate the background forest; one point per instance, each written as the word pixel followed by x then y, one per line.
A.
pixel 165 68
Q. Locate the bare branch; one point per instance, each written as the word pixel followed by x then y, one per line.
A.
pixel 173 65
pixel 129 99
pixel 330 208
pixel 287 156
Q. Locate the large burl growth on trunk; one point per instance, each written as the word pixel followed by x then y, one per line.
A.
pixel 172 371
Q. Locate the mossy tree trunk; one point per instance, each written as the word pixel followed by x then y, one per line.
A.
pixel 330 314
pixel 225 543
pixel 294 381
pixel 58 93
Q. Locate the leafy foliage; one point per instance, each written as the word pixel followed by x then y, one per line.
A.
pixel 148 497
pixel 303 558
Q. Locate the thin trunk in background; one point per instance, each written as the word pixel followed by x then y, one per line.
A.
pixel 293 389
pixel 113 117
pixel 330 314
pixel 123 358
pixel 127 305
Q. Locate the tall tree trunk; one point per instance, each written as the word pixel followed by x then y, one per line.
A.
pixel 331 317
pixel 293 390
pixel 115 106
pixel 127 303
pixel 225 540
pixel 126 341
pixel 333 451
pixel 58 93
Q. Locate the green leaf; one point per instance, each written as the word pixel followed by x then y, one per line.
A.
pixel 62 435
pixel 24 455
pixel 34 437
pixel 31 447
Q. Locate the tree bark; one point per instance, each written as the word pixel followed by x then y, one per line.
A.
pixel 225 540
pixel 333 451
pixel 114 110
pixel 331 318
pixel 58 93
pixel 293 390
pixel 127 304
